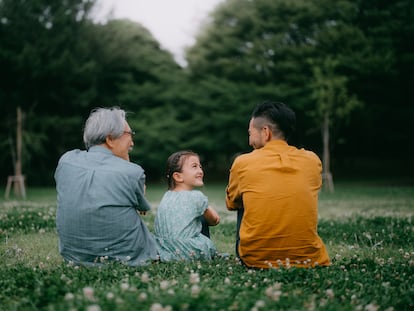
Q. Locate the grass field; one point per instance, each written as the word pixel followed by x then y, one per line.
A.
pixel 367 227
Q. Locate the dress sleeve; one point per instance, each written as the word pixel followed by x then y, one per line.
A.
pixel 201 202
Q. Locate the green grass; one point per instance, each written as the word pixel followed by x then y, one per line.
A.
pixel 368 230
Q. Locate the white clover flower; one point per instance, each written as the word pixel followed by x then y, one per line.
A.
pixel 142 296
pixel 371 307
pixel 195 290
pixel 145 277
pixel 227 281
pixel 194 278
pixel 124 286
pixel 93 308
pixel 260 304
pixel 156 307
pixel 274 292
pixel 69 296
pixel 110 296
pixel 276 295
pixel 330 293
pixel 164 284
pixel 88 292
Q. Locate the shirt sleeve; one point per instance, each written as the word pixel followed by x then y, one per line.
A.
pixel 143 204
pixel 233 195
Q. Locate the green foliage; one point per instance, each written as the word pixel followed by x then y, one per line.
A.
pixel 57 64
pixel 316 56
pixel 46 72
pixel 372 263
pixel 385 275
pixel 28 219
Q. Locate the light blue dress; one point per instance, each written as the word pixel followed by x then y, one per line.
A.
pixel 177 227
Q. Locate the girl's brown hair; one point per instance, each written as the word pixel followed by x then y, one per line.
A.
pixel 175 164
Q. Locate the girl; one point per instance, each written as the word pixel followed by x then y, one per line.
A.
pixel 183 216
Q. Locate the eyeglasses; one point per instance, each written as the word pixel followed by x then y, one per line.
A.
pixel 132 133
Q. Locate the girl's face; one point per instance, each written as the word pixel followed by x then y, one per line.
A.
pixel 191 174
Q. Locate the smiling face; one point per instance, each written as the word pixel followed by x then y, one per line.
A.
pixel 191 174
pixel 122 145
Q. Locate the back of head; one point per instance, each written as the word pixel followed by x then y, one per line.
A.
pixel 280 116
pixel 103 122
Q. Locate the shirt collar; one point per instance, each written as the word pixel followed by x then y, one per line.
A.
pixel 99 149
pixel 276 142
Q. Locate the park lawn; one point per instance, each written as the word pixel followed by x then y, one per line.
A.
pixel 367 228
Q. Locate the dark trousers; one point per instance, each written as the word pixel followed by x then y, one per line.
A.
pixel 240 213
pixel 205 230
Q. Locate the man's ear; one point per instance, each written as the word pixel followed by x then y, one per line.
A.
pixel 267 134
pixel 177 177
pixel 109 141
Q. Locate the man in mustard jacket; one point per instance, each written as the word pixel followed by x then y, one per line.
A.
pixel 275 190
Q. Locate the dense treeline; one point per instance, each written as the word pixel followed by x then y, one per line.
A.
pixel 350 63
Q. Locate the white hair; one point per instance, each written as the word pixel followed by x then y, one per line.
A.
pixel 101 123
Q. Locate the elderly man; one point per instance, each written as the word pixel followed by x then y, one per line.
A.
pixel 275 190
pixel 99 195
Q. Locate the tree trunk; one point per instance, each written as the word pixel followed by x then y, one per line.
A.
pixel 18 179
pixel 326 171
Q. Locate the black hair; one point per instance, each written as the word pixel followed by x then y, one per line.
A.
pixel 281 117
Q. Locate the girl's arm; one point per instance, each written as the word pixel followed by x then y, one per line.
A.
pixel 211 216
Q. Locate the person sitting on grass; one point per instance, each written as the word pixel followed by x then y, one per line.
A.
pixel 99 192
pixel 183 217
pixel 274 189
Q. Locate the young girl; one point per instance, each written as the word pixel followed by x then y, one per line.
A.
pixel 183 212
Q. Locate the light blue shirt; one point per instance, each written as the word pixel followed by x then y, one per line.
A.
pixel 98 195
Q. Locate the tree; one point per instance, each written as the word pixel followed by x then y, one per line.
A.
pixel 135 73
pixel 272 47
pixel 44 70
pixel 332 102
